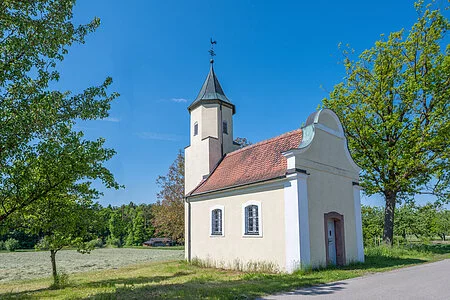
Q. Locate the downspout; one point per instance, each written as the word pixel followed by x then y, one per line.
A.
pixel 189 230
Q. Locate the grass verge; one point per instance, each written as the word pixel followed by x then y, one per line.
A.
pixel 177 279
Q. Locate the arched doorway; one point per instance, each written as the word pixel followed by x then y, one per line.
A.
pixel 334 238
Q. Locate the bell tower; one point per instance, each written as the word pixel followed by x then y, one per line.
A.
pixel 211 131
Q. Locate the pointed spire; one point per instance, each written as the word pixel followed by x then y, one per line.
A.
pixel 211 91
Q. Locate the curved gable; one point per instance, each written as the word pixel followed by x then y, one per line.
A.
pixel 325 140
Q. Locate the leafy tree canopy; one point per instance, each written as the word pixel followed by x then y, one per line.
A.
pixel 40 153
pixel 168 218
pixel 394 103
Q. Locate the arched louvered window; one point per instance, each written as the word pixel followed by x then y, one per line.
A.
pixel 216 221
pixel 195 128
pixel 225 127
pixel 252 220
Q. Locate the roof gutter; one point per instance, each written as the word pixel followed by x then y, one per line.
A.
pixel 235 187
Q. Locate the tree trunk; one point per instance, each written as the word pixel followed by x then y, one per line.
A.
pixel 54 273
pixel 388 232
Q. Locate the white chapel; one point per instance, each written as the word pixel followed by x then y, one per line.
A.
pixel 292 201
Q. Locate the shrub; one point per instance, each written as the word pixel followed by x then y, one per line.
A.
pixel 396 251
pixel 61 281
pixel 11 244
pixel 115 242
pixel 96 243
pixel 2 245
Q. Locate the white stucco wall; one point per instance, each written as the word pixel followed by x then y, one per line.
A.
pixel 204 151
pixel 325 185
pixel 330 189
pixel 232 248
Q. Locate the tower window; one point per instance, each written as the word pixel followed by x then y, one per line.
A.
pixel 225 127
pixel 196 128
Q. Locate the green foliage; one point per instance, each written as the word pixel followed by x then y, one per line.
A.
pixel 168 213
pixel 395 252
pixel 40 153
pixel 243 142
pixel 2 245
pixel 61 281
pixel 95 243
pixel 372 224
pixel 62 220
pixel 117 226
pixel 114 242
pixel 394 105
pixel 443 223
pixel 11 244
pixel 424 223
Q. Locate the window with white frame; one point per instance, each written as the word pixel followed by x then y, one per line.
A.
pixel 252 220
pixel 216 221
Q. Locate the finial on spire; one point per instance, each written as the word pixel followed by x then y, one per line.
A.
pixel 211 51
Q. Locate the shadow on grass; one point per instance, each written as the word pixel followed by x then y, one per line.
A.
pixel 133 281
pixel 197 283
pixel 22 295
pixel 323 289
pixel 222 289
pixel 382 262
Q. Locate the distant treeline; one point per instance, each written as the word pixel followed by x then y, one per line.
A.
pixel 126 225
pixel 412 223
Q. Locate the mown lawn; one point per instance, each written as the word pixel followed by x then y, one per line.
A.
pixel 36 264
pixel 177 279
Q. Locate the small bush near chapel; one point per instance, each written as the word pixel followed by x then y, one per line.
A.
pixel 11 244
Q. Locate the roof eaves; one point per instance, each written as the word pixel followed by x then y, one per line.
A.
pixel 192 194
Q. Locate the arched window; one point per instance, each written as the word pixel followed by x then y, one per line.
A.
pixel 225 127
pixel 252 220
pixel 195 128
pixel 216 221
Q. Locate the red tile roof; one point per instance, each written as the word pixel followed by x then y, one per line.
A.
pixel 254 163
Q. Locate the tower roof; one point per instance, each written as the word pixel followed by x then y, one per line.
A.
pixel 211 91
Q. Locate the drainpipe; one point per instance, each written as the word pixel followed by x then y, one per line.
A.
pixel 188 238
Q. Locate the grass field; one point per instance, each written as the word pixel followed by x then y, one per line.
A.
pixel 32 264
pixel 177 279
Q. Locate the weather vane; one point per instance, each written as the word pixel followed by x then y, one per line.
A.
pixel 211 51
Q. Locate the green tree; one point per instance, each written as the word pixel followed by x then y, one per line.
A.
pixel 40 154
pixel 139 234
pixel 168 212
pixel 443 223
pixel 394 105
pixel 118 226
pixel 427 221
pixel 406 220
pixel 372 223
pixel 62 220
pixel 243 142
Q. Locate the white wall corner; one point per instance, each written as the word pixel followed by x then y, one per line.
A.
pixel 358 222
pixel 290 159
pixel 291 223
pixel 303 212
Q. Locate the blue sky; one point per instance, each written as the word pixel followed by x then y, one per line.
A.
pixel 276 61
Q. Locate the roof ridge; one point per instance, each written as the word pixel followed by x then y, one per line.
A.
pixel 284 135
